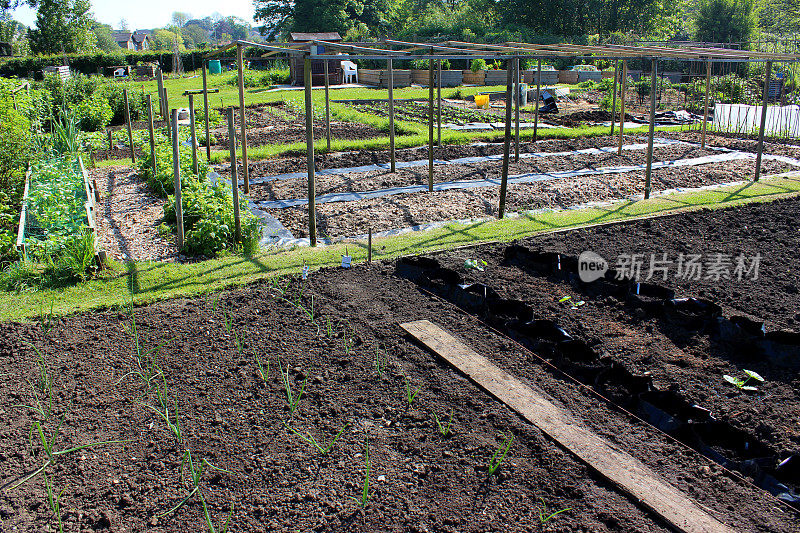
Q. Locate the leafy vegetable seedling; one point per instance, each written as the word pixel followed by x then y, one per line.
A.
pixel 475 264
pixel 497 458
pixel 544 517
pixel 444 430
pixel 741 383
pixel 409 395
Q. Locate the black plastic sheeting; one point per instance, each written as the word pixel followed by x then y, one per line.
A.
pixel 694 425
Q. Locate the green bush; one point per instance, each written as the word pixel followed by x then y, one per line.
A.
pixel 478 64
pixel 259 78
pixel 94 113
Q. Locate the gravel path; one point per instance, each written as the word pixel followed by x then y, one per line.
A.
pixel 128 217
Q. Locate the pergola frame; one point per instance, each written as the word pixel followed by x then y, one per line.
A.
pixel 512 52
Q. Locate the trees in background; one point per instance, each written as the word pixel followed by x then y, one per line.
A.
pixel 63 26
pixel 725 21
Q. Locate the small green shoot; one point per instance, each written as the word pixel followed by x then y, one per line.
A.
pixel 444 431
pixel 53 501
pixel 262 370
pixel 741 383
pixel 500 454
pixel 42 389
pixel 475 264
pixel 564 299
pixel 380 362
pixel 292 399
pixel 365 488
pixel 328 327
pixel 172 420
pixel 309 439
pixel 409 395
pixel 544 517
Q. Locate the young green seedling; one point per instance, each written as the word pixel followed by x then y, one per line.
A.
pixel 262 370
pixel 380 362
pixel 476 264
pixel 173 420
pixel 42 390
pixel 328 327
pixel 292 399
pixel 54 501
pixel 741 383
pixel 497 458
pixel 409 395
pixel 365 487
pixel 444 431
pixel 309 439
pixel 544 517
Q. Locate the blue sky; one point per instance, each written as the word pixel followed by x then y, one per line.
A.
pixel 148 14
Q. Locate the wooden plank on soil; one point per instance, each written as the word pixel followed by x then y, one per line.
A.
pixel 622 469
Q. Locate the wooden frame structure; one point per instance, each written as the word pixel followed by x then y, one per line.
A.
pixel 512 53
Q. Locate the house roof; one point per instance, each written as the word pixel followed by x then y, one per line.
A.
pixel 121 36
pixel 329 36
pixel 139 38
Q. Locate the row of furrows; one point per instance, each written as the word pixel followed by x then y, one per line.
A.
pixel 776 471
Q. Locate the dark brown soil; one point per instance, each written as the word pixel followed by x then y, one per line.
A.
pixel 273 480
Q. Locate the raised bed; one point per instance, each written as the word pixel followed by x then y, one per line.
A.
pixel 380 78
pixel 450 78
pixel 549 77
pixel 473 78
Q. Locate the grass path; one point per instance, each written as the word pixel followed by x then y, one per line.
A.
pixel 154 281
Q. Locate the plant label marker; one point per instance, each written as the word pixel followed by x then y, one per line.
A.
pixel 305 270
pixel 623 470
pixel 347 259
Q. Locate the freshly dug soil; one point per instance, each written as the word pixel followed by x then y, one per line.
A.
pixel 349 219
pixel 381 179
pixel 273 480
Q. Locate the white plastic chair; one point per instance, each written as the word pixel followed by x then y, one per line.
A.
pixel 120 73
pixel 350 71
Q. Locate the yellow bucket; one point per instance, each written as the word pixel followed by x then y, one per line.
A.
pixel 482 100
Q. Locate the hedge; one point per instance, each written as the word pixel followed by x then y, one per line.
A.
pixel 21 67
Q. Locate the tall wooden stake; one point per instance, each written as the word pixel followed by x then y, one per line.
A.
pixel 538 96
pixel 130 130
pixel 176 169
pixel 110 139
pixel 507 142
pixel 162 101
pixel 438 102
pixel 240 66
pixel 327 108
pixel 516 109
pixel 195 166
pixel 234 177
pixel 614 98
pixel 391 115
pixel 312 207
pixel 705 107
pixel 649 170
pixel 369 246
pixel 430 124
pixel 167 117
pixel 205 109
pixel 622 103
pixel 760 149
pixel 152 134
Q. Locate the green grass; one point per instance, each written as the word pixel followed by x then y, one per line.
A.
pixel 409 134
pixel 149 281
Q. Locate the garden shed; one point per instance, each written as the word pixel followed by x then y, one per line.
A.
pixel 317 65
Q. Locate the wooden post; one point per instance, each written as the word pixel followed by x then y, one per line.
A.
pixel 176 169
pixel 128 121
pixel 507 141
pixel 195 166
pixel 167 118
pixel 234 177
pixel 312 208
pixel 110 139
pixel 516 109
pixel 649 170
pixel 430 125
pixel 152 134
pixel 162 101
pixel 438 102
pixel 391 115
pixel 622 103
pixel 327 108
pixel 705 108
pixel 369 246
pixel 240 66
pixel 760 149
pixel 538 96
pixel 614 98
pixel 205 108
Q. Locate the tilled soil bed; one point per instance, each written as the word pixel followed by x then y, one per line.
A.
pixel 349 219
pixel 381 179
pixel 356 369
pixel 278 124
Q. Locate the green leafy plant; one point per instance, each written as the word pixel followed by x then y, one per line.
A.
pixel 444 430
pixel 53 500
pixel 409 394
pixel 476 264
pixel 308 438
pixel 478 64
pixel 362 501
pixel 742 383
pixel 544 517
pixel 500 454
pixel 292 399
pixel 380 361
